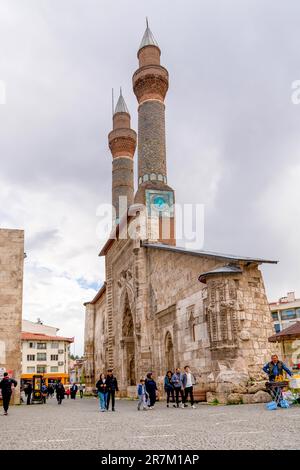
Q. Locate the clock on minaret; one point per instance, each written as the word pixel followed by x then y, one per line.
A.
pixel 159 203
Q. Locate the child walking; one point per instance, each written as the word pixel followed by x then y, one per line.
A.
pixel 141 391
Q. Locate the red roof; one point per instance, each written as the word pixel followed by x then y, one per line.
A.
pixel 41 337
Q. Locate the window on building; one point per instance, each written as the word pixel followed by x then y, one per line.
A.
pixel 54 369
pixel 54 357
pixel 31 345
pixel 60 351
pixel 298 312
pixel 288 314
pixel 54 345
pixel 275 315
pixel 41 369
pixel 30 370
pixel 41 345
pixel 277 327
pixel 60 363
pixel 30 357
pixel 41 357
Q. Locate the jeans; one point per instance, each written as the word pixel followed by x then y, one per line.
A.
pixel 28 398
pixel 111 393
pixel 170 392
pixel 178 391
pixel 142 402
pixel 81 393
pixel 102 400
pixel 6 399
pixel 188 391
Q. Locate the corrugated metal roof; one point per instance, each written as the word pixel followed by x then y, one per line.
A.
pixel 287 333
pixel 210 254
pixel 227 269
pixel 148 39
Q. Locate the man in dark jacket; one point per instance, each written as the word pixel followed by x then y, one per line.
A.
pixel 60 392
pixel 6 388
pixel 74 389
pixel 112 388
pixel 28 392
pixel 275 368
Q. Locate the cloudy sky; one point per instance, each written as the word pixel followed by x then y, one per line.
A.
pixel 232 132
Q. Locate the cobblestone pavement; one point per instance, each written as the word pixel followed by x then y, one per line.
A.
pixel 79 425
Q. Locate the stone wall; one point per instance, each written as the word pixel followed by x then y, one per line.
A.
pixel 11 292
pixel 161 317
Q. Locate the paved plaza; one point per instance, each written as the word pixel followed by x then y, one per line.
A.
pixel 79 425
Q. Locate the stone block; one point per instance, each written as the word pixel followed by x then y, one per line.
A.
pixel 257 387
pixel 261 397
pixel 234 399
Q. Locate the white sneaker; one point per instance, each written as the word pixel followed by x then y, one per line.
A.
pixel 182 406
pixel 193 406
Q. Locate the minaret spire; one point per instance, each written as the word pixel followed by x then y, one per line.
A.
pixel 122 144
pixel 150 85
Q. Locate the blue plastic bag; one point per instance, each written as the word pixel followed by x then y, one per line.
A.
pixel 271 406
pixel 284 403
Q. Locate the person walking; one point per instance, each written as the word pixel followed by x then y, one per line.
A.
pixel 169 387
pixel 68 393
pixel 60 392
pixel 178 386
pixel 74 389
pixel 50 391
pixel 28 392
pixel 151 390
pixel 44 391
pixel 188 382
pixel 7 385
pixel 81 388
pixel 101 386
pixel 142 395
pixel 112 388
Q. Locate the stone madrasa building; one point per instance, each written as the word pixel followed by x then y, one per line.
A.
pixel 163 306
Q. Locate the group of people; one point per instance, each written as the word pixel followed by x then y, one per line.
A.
pixel 177 385
pixel 49 390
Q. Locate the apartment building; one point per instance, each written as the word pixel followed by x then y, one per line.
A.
pixel 44 352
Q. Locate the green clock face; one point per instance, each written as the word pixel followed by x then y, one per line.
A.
pixel 160 202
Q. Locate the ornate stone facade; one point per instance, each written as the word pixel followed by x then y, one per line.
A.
pixel 162 306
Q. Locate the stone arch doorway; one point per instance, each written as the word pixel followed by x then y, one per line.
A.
pixel 129 345
pixel 169 352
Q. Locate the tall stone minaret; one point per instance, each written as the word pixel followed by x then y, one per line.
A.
pixel 150 85
pixel 122 144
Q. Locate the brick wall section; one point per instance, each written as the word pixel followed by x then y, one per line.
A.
pixel 152 141
pixel 11 292
pixel 122 181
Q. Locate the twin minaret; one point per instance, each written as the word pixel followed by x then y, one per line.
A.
pixel 150 85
